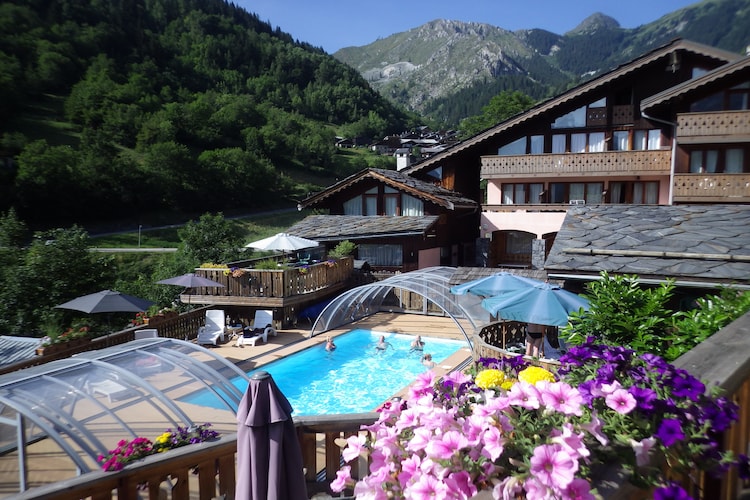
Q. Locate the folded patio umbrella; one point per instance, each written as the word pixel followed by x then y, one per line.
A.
pixel 269 458
pixel 189 280
pixel 107 301
pixel 543 304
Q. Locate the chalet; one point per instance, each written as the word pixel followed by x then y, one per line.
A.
pixel 398 222
pixel 626 137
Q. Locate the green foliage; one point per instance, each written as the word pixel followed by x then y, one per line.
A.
pixel 713 313
pixel 266 264
pixel 501 107
pixel 343 249
pixel 211 239
pixel 623 313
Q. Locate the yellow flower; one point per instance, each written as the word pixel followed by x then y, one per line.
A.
pixel 507 384
pixel 489 378
pixel 534 374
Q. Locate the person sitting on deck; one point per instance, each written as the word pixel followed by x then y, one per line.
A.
pixel 417 344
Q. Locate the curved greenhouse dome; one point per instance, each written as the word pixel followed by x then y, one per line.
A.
pixel 80 407
pixel 431 283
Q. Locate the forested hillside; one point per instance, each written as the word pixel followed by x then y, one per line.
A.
pixel 125 107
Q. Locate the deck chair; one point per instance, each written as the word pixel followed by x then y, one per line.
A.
pixel 261 329
pixel 113 390
pixel 214 329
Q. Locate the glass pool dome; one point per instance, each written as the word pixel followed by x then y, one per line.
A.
pixel 77 408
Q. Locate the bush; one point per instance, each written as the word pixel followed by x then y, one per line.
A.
pixel 343 249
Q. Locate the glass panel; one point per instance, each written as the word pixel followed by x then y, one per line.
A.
pixel 652 193
pixel 535 192
pixel 411 206
pixel 596 142
pixel 639 140
pixel 601 103
pixel 520 195
pixel 638 193
pixel 577 191
pixel 620 140
pixel 372 191
pixel 507 194
pixel 389 189
pixel 353 206
pixel 616 192
pixel 578 143
pixel 654 139
pixel 696 162
pixel 558 143
pixel 537 144
pixel 381 255
pixel 390 205
pixel 576 118
pixel 371 206
pixel 518 243
pixel 557 192
pixel 734 160
pixel 594 192
pixel 517 147
pixel 712 161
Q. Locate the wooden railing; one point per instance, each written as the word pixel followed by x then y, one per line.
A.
pixel 713 188
pixel 609 163
pixel 720 361
pixel 183 326
pixel 713 124
pixel 283 282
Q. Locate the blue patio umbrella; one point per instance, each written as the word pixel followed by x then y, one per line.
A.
pixel 495 284
pixel 543 304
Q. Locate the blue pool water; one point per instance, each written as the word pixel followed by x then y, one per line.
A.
pixel 352 379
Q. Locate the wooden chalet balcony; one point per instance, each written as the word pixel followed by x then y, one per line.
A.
pixel 713 127
pixel 711 188
pixel 272 287
pixel 609 163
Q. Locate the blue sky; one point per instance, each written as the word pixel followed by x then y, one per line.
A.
pixel 336 24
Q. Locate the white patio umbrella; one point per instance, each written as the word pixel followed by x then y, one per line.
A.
pixel 284 242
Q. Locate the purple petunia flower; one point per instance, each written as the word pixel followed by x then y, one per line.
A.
pixel 671 492
pixel 670 431
pixel 644 397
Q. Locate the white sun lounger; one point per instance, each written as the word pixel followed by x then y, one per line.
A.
pixel 113 390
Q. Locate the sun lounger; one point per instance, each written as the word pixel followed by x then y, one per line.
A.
pixel 113 390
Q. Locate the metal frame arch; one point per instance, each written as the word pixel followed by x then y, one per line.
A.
pixel 420 282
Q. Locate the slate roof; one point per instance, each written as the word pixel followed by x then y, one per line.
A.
pixel 698 245
pixel 586 87
pixel 352 227
pixel 438 195
pixel 16 349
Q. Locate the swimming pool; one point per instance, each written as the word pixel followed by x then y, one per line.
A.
pixel 352 379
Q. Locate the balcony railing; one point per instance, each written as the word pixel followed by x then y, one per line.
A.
pixel 712 126
pixel 721 361
pixel 711 188
pixel 610 163
pixel 278 283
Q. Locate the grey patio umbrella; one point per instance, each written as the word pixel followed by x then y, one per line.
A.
pixel 189 280
pixel 284 242
pixel 107 301
pixel 269 458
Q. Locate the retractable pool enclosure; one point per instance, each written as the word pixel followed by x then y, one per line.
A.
pixel 431 283
pixel 80 407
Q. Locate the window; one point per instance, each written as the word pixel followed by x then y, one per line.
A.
pixel 646 139
pixel 536 144
pixel 391 198
pixel 353 206
pixel 736 98
pixel 620 140
pixel 522 194
pixel 381 255
pixel 634 192
pixel 393 202
pixel 370 199
pixel 590 192
pixel 718 161
pixel 411 206
pixel 517 147
pixel 574 119
pixel 558 143
pixel 518 243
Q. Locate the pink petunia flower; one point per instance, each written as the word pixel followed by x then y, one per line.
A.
pixel 642 449
pixel 552 466
pixel 562 398
pixel 524 395
pixel 621 401
pixel 355 447
pixel 573 443
pixel 492 443
pixel 343 476
pixel 460 485
pixel 579 489
pixel 426 487
pixel 443 447
pixel 594 427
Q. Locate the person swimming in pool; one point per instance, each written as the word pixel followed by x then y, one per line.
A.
pixel 427 361
pixel 382 345
pixel 417 344
pixel 330 346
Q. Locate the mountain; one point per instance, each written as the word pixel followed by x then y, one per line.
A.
pixel 447 70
